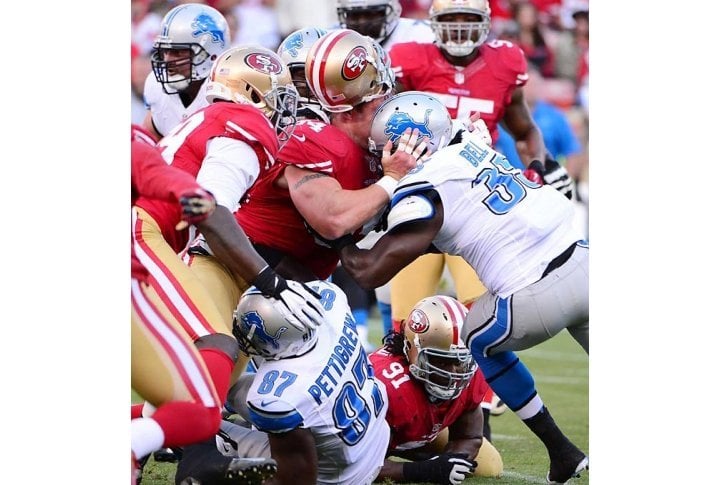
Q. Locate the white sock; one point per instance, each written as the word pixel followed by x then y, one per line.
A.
pixel 148 410
pixel 146 436
pixel 530 409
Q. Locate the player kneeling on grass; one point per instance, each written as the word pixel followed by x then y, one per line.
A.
pixel 315 393
pixel 434 391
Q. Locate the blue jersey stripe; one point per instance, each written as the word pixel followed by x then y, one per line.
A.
pixel 274 422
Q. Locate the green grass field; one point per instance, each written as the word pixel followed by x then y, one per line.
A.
pixel 560 368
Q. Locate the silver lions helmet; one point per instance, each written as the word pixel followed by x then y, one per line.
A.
pixel 374 18
pixel 293 51
pixel 437 355
pixel 411 109
pixel 192 36
pixel 262 330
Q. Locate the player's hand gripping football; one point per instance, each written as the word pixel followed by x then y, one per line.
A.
pixel 196 206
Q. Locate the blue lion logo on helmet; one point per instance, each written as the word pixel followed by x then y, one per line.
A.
pixel 253 318
pixel 204 24
pixel 293 44
pixel 401 121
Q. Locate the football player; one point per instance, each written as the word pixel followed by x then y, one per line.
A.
pixel 517 235
pixel 314 393
pixel 167 369
pixel 433 386
pixel 381 20
pixel 192 36
pixel 225 147
pixel 468 75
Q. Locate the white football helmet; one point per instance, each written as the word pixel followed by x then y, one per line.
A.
pixel 433 347
pixel 345 68
pixel 374 18
pixel 460 38
pixel 194 27
pixel 411 109
pixel 257 76
pixel 261 330
pixel 293 51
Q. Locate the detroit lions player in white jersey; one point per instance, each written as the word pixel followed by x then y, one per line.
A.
pixel 314 393
pixel 380 19
pixel 468 200
pixel 191 37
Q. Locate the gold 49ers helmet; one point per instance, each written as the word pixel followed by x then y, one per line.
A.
pixel 257 76
pixel 460 38
pixel 433 347
pixel 345 68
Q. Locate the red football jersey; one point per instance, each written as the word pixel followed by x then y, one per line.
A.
pixel 414 420
pixel 267 214
pixel 485 85
pixel 186 146
pixel 152 178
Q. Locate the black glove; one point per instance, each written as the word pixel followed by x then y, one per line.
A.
pixel 297 302
pixel 448 469
pixel 196 206
pixel 336 244
pixel 557 177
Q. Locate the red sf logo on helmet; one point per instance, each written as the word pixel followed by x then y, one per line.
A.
pixel 418 322
pixel 263 63
pixel 355 63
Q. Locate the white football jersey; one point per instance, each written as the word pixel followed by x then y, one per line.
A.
pixel 506 227
pixel 167 109
pixel 332 391
pixel 410 30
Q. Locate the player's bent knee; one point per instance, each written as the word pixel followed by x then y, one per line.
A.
pixel 219 341
pixel 489 461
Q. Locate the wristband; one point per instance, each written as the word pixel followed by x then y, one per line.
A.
pixel 388 184
pixel 417 471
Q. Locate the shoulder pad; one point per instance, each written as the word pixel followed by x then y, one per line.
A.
pixel 411 208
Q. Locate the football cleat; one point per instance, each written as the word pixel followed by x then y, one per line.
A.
pixel 567 465
pixel 204 464
pixel 497 406
pixel 167 455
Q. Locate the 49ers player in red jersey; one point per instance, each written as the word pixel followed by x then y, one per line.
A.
pixel 226 147
pixel 434 391
pixel 167 369
pixel 328 179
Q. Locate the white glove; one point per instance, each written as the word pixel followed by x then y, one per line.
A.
pixel 461 468
pixel 295 301
pixel 479 129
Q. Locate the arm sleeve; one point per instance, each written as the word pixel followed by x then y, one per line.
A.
pixel 154 178
pixel 229 169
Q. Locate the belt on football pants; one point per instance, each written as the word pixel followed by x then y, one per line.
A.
pixel 559 260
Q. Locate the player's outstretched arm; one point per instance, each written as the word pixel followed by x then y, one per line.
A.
pixel 374 267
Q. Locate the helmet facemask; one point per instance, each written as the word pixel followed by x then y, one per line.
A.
pixel 177 82
pixel 282 102
pixel 445 373
pixel 368 21
pixel 460 39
